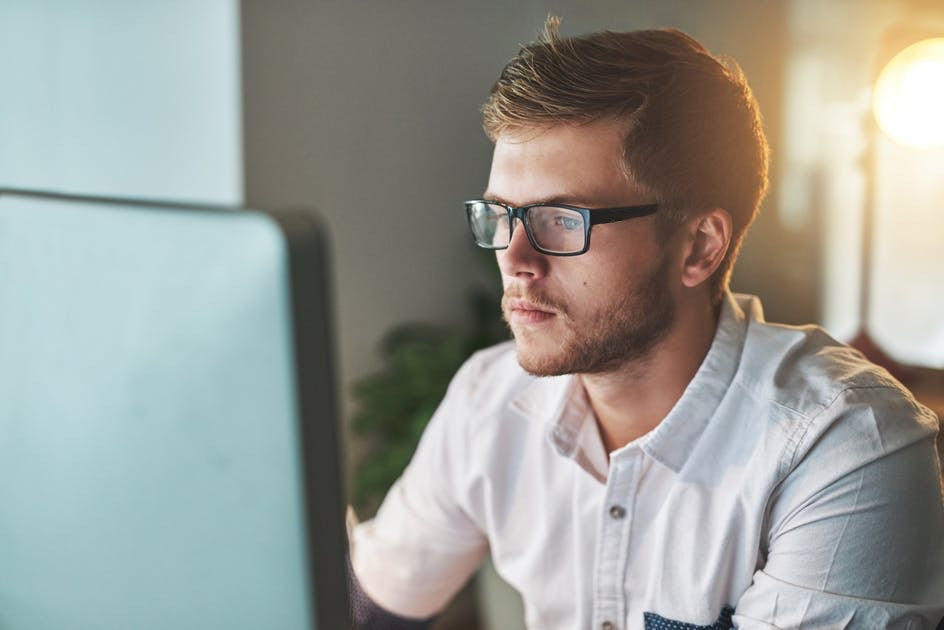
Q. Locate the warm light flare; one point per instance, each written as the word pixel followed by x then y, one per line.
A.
pixel 909 95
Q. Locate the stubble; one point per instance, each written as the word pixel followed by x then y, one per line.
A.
pixel 625 330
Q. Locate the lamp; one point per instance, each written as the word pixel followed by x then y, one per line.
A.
pixel 908 100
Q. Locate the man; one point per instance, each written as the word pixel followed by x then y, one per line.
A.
pixel 648 452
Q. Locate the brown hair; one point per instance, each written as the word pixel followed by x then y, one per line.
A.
pixel 693 134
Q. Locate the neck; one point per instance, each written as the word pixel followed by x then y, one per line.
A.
pixel 633 399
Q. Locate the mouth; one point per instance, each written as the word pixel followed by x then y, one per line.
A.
pixel 520 311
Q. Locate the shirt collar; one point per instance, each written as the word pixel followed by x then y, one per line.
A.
pixel 674 438
pixel 557 399
pixel 562 403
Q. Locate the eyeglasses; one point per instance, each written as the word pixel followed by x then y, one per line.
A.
pixel 553 229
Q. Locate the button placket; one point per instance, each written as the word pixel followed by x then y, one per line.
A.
pixel 613 544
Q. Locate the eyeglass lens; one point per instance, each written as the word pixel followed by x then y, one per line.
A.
pixel 553 229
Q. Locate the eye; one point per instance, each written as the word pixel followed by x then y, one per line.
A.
pixel 568 222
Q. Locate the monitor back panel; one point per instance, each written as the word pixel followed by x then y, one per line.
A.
pixel 151 474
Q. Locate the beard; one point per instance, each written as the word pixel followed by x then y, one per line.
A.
pixel 624 330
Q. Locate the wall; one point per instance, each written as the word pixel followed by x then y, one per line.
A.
pixel 136 99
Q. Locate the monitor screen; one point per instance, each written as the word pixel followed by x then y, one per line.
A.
pixel 168 439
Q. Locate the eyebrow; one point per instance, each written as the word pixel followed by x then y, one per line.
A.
pixel 570 199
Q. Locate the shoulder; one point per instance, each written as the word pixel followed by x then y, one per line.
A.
pixel 485 362
pixel 499 407
pixel 815 386
pixel 489 376
pixel 805 369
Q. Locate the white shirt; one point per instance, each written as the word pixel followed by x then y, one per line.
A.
pixel 792 481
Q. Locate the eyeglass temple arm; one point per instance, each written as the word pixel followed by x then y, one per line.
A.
pixel 611 215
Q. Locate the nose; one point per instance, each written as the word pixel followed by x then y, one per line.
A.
pixel 519 259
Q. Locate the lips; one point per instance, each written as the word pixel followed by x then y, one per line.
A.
pixel 522 311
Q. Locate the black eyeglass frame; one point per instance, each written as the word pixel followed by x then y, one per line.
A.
pixel 591 217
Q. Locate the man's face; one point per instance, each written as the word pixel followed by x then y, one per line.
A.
pixel 601 310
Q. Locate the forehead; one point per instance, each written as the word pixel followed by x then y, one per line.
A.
pixel 581 164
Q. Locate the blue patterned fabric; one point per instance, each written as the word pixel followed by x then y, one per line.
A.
pixel 658 622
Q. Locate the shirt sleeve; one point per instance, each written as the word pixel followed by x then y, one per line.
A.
pixel 423 544
pixel 857 526
pixel 367 615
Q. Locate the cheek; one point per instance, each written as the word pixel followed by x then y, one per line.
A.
pixel 605 281
pixel 581 283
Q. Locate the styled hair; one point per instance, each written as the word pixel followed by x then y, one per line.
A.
pixel 693 134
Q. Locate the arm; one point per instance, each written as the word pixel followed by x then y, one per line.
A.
pixel 856 529
pixel 368 615
pixel 423 544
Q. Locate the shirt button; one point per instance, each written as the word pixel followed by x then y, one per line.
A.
pixel 617 512
pixel 607 625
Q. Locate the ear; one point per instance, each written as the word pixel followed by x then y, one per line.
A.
pixel 709 236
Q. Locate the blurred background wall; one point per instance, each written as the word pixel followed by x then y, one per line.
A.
pixel 138 99
pixel 368 111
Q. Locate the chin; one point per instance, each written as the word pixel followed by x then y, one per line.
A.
pixel 546 362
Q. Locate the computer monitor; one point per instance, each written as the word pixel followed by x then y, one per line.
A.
pixel 168 437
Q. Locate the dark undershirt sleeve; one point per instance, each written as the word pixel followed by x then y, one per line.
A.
pixel 367 615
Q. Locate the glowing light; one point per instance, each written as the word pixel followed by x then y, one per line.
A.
pixel 909 95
